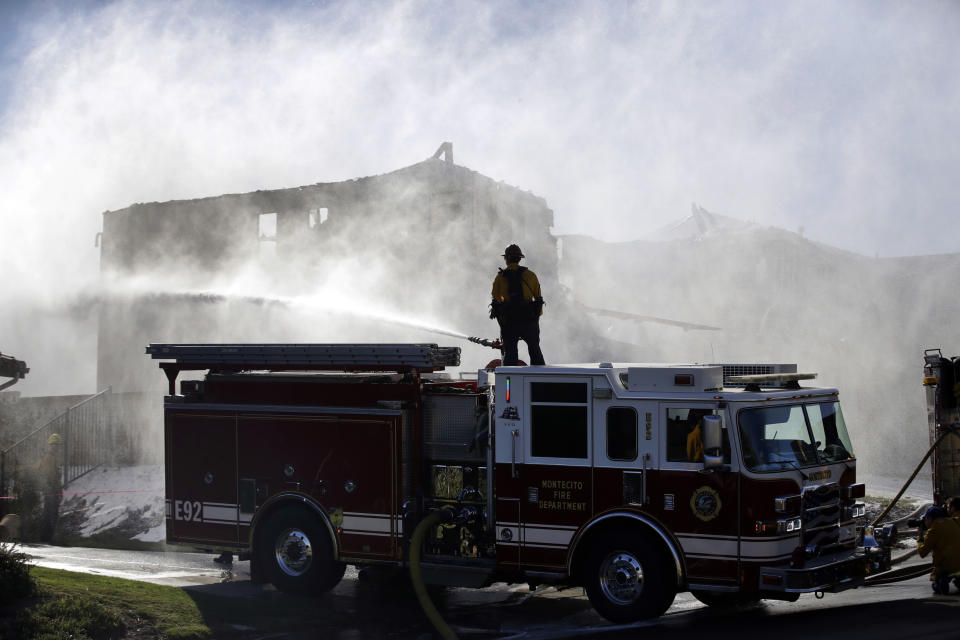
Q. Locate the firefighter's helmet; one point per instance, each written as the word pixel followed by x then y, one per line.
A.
pixel 513 251
pixel 54 439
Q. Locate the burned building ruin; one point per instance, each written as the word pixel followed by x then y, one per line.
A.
pixel 423 241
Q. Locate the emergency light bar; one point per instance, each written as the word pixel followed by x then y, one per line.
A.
pixel 784 380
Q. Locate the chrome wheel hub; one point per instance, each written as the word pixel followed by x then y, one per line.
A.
pixel 293 552
pixel 621 578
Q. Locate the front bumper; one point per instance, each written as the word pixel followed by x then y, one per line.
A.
pixel 830 574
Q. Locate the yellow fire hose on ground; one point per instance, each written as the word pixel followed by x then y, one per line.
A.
pixel 416 577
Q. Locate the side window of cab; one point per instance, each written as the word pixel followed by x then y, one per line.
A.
pixel 559 420
pixel 622 434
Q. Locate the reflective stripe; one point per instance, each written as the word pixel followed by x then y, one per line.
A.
pixel 698 546
pixel 541 535
pixel 769 548
pixel 703 546
pixel 368 523
pixel 220 513
pixel 546 535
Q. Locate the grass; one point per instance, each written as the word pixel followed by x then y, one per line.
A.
pixel 73 617
pixel 89 607
pixel 79 605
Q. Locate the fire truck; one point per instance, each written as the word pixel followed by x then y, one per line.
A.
pixel 941 378
pixel 635 481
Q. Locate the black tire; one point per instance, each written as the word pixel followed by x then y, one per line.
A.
pixel 628 577
pixel 296 553
pixel 721 599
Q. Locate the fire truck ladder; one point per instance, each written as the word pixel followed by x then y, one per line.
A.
pixel 401 358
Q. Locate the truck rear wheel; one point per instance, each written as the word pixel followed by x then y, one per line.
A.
pixel 627 578
pixel 296 553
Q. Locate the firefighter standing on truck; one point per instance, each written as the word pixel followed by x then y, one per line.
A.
pixel 517 305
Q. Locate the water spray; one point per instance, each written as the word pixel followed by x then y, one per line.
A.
pixel 210 297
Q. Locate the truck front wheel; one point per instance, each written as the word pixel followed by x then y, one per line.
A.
pixel 296 553
pixel 627 578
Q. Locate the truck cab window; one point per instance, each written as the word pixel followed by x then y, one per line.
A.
pixel 558 419
pixel 829 432
pixel 621 434
pixel 776 438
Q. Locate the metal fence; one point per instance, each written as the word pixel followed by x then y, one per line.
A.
pixel 85 438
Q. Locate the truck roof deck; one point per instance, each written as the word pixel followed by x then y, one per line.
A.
pixel 685 379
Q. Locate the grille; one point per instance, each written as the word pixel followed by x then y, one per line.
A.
pixel 821 517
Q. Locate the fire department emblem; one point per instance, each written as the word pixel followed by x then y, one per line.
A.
pixel 705 503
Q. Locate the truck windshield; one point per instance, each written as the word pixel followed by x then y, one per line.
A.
pixel 782 437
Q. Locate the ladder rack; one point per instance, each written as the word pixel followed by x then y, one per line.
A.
pixel 402 358
pixel 12 368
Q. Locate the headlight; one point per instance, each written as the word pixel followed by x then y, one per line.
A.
pixel 789 526
pixel 787 505
pixel 774 527
pixel 854 511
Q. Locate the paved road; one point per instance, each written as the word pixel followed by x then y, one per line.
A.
pixel 357 609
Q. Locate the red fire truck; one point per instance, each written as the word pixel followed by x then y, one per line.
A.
pixel 634 480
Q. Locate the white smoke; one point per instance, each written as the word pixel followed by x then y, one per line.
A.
pixel 837 117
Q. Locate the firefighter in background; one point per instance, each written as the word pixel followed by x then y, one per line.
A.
pixel 695 444
pixel 942 537
pixel 49 468
pixel 953 510
pixel 517 305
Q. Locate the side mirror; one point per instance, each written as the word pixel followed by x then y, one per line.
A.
pixel 712 442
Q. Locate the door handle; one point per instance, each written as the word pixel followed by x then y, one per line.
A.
pixel 643 479
pixel 513 452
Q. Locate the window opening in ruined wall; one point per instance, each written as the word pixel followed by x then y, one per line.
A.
pixel 317 217
pixel 268 236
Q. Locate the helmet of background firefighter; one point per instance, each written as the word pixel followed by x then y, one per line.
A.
pixel 54 439
pixel 513 253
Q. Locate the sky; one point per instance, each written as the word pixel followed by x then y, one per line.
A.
pixel 837 119
pixel 842 119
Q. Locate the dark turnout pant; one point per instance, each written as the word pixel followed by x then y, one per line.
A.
pixel 512 332
pixel 51 511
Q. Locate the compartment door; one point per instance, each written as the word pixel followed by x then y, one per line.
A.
pixel 556 487
pixel 201 468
